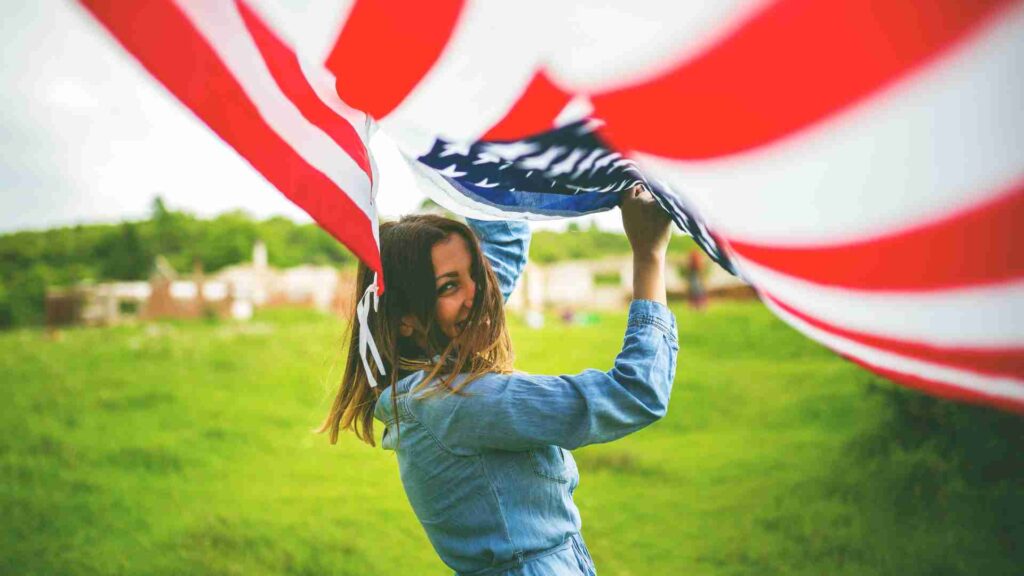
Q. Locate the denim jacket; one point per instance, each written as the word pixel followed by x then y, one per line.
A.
pixel 488 472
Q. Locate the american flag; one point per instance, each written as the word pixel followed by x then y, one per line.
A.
pixel 565 171
pixel 859 161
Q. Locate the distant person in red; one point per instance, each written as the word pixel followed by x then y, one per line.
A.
pixel 698 296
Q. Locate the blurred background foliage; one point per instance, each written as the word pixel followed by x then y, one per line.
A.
pixel 579 243
pixel 32 260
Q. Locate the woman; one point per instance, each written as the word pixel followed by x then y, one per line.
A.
pixel 482 451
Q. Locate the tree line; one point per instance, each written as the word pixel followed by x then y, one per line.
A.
pixel 31 261
pixel 578 243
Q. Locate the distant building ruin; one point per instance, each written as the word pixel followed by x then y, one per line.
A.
pixel 233 292
pixel 608 284
pixel 97 304
pixel 237 291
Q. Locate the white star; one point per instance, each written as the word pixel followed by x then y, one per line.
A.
pixel 451 172
pixel 566 165
pixel 486 158
pixel 587 162
pixel 510 150
pixel 451 148
pixel 543 161
pixel 606 160
pixel 485 184
pixel 588 126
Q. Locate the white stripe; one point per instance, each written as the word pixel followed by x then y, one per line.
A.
pixel 497 47
pixel 412 139
pixel 310 28
pixel 989 316
pixel 323 82
pixel 579 108
pixel 999 386
pixel 222 26
pixel 938 143
pixel 608 45
pixel 369 127
pixel 488 62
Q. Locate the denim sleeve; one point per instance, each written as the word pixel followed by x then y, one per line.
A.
pixel 521 411
pixel 506 245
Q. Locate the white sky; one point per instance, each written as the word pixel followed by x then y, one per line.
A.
pixel 87 136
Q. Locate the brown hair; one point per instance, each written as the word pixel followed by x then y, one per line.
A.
pixel 483 346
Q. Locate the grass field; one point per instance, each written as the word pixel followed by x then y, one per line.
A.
pixel 185 448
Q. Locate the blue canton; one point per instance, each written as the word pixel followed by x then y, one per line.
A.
pixel 566 171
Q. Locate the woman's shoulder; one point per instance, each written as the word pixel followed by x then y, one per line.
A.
pixel 384 409
pixel 435 400
pixel 464 385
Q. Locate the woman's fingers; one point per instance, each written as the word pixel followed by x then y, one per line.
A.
pixel 634 192
pixel 645 222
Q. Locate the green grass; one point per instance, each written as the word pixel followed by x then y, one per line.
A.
pixel 185 448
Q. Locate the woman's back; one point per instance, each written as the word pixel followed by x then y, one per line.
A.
pixel 483 510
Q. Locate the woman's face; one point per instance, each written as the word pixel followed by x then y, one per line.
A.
pixel 453 280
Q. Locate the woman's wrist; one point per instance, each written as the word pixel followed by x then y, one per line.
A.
pixel 649 258
pixel 649 277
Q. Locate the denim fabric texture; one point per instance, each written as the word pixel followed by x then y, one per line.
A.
pixel 489 473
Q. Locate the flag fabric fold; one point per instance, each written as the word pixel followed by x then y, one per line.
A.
pixel 230 69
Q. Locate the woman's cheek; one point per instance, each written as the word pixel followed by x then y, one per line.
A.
pixel 445 308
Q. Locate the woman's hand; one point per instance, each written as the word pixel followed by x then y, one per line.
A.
pixel 648 229
pixel 647 224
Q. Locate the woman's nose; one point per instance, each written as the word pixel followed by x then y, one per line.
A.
pixel 471 293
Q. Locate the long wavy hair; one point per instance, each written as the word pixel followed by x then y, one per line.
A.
pixel 482 347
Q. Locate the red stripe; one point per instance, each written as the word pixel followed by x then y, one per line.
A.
pixel 995 361
pixel 793 64
pixel 943 389
pixel 533 113
pixel 982 245
pixel 284 67
pixel 165 42
pixel 386 48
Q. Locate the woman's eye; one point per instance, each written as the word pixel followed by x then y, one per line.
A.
pixel 446 287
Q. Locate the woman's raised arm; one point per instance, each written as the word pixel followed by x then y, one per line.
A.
pixel 506 244
pixel 523 411
pixel 648 228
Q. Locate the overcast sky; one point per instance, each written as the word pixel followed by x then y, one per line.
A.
pixel 87 136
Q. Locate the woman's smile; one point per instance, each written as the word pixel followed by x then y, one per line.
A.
pixel 456 289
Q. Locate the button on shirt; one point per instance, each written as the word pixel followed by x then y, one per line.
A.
pixel 488 472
